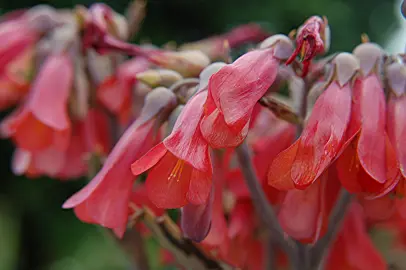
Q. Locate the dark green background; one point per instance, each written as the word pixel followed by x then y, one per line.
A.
pixel 35 233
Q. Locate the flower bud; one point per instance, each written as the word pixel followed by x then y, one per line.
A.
pixel 346 66
pixel 172 119
pixel 156 101
pixel 282 44
pixel 396 78
pixel 208 72
pixel 43 18
pixel 187 63
pixel 370 56
pixel 159 77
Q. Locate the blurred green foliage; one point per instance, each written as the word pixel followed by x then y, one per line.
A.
pixel 35 233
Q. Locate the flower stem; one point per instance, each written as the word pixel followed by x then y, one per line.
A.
pixel 264 209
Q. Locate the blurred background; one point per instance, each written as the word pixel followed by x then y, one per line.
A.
pixel 35 233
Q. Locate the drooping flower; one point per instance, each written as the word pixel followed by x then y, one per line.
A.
pixel 361 169
pixel 353 248
pixel 116 92
pixel 196 220
pixel 396 112
pixel 18 37
pixel 323 136
pixel 89 137
pixel 236 88
pixel 105 200
pixel 312 38
pixel 218 227
pixel 43 119
pixel 304 214
pixel 180 169
pixel 15 80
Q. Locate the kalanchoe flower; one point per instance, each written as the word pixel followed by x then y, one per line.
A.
pixel 353 248
pixel 105 200
pixel 323 136
pixel 180 169
pixel 304 214
pixel 196 219
pixel 89 137
pixel 217 234
pixel 15 80
pixel 187 63
pixel 360 169
pixel 235 90
pixel 396 125
pixel 43 119
pixel 116 92
pixel 18 37
pixel 378 209
pixel 312 38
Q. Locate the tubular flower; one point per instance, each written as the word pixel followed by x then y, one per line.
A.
pixel 218 227
pixel 105 200
pixel 304 213
pixel 17 37
pixel 14 82
pixel 360 169
pixel 180 166
pixel 115 92
pixel 196 219
pixel 396 126
pixel 353 248
pixel 312 38
pixel 236 88
pixel 89 137
pixel 242 248
pixel 44 115
pixel 323 136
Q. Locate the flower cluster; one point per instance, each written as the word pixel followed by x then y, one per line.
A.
pixel 169 129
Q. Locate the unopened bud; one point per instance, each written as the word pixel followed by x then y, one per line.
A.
pixel 208 72
pixel 142 89
pixel 187 63
pixel 346 66
pixel 172 119
pixel 99 66
pixel 42 17
pixel 370 56
pixel 396 78
pixel 156 101
pixel 159 77
pixel 403 8
pixel 62 38
pixel 119 26
pixel 314 93
pixel 283 46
